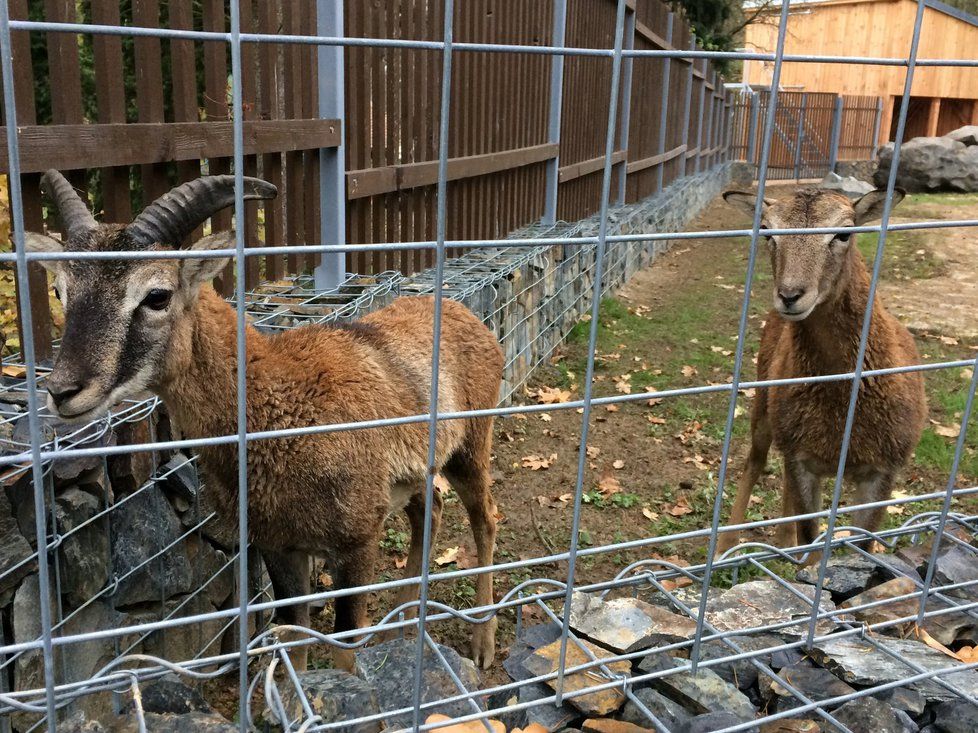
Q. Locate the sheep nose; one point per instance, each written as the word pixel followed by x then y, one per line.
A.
pixel 790 296
pixel 62 390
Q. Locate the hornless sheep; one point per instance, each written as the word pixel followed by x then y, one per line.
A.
pixel 132 325
pixel 821 289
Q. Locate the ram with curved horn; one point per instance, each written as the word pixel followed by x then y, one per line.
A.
pixel 133 325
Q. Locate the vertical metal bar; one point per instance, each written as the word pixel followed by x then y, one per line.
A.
pixel 864 337
pixel 332 161
pixel 755 110
pixel 699 124
pixel 949 493
pixel 876 127
pixel 687 104
pixel 556 100
pixel 23 285
pixel 836 133
pixel 741 335
pixel 626 104
pixel 241 365
pixel 664 105
pixel 592 341
pixel 440 233
pixel 800 135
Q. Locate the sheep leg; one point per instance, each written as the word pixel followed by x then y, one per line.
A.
pixel 415 516
pixel 473 480
pixel 354 567
pixel 803 493
pixel 760 435
pixel 289 573
pixel 876 486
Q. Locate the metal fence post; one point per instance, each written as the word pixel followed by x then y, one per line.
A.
pixel 556 100
pixel 800 137
pixel 836 133
pixel 664 109
pixel 686 110
pixel 626 103
pixel 332 161
pixel 755 109
pixel 876 127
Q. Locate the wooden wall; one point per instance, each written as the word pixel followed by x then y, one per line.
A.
pixel 873 28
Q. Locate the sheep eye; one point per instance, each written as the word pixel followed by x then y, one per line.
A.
pixel 57 293
pixel 768 237
pixel 157 299
pixel 843 237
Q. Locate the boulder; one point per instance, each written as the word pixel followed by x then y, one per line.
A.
pixel 85 548
pixel 846 575
pixel 957 716
pixel 627 624
pixel 170 695
pixel 931 164
pixel 848 186
pixel 967 135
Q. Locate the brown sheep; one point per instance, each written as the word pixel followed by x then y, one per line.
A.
pixel 821 289
pixel 132 325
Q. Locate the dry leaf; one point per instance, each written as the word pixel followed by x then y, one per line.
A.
pixel 623 384
pixel 933 643
pixel 611 408
pixel 679 509
pixel 948 431
pixel 618 464
pixel 608 484
pixel 552 395
pixel 545 416
pixel 326 580
pixel 17 372
pixel 689 371
pixel 538 463
pixel 474 726
pixel 656 420
pixel 593 451
pixel 697 461
pixel 967 374
pixel 447 556
pixel 649 514
pixel 677 583
pixel 948 341
pixel 899 508
pixel 400 562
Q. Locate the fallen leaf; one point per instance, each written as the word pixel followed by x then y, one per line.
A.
pixel 538 463
pixel 326 581
pixel 623 384
pixel 949 341
pixel 948 431
pixel 697 460
pixel 649 514
pixel 933 643
pixel 618 464
pixel 678 583
pixel 656 420
pixel 679 509
pixel 754 499
pixel 552 395
pixel 545 416
pixel 593 451
pixel 400 562
pixel 608 484
pixel 611 408
pixel 689 371
pixel 898 508
pixel 448 556
pixel 16 372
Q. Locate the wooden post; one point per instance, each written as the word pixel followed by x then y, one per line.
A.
pixel 932 116
pixel 886 120
pixel 974 112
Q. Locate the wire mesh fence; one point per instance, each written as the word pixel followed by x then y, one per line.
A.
pixel 254 627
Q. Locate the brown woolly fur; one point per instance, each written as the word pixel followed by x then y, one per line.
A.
pixel 821 292
pixel 133 325
pixel 329 493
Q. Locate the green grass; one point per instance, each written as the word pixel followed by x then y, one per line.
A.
pixel 907 256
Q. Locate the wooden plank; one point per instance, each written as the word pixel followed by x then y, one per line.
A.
pixel 111 97
pixel 271 163
pixel 638 165
pixel 183 81
pixel 149 91
pixel 576 170
pixel 375 181
pixel 71 147
pixel 652 37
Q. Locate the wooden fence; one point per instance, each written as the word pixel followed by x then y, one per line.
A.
pixel 812 131
pixel 126 118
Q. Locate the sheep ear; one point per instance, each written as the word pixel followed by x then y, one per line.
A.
pixel 745 201
pixel 42 243
pixel 196 272
pixel 870 207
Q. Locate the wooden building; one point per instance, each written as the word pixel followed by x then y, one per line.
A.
pixel 942 98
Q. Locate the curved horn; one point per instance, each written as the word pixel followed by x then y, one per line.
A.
pixel 170 218
pixel 76 219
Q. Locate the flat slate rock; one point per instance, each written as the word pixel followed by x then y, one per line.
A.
pixel 957 716
pixel 869 714
pixel 546 660
pixel 742 672
pixel 703 692
pixel 334 695
pixel 903 698
pixel 860 663
pixel 816 683
pixel 669 712
pixel 170 695
pixel 388 667
pixel 763 603
pixel 709 722
pixel 627 624
pixel 550 717
pixel 845 575
pixel 959 565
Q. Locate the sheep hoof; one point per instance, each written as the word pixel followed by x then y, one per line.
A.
pixel 484 644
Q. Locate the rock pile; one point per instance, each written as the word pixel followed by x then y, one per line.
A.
pixel 948 163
